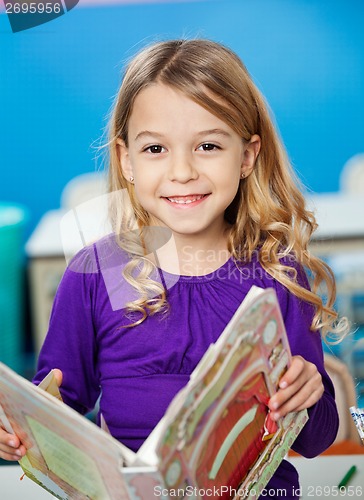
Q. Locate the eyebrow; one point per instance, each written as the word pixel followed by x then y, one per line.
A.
pixel 147 133
pixel 213 131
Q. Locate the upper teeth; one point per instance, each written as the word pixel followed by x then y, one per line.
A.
pixel 185 200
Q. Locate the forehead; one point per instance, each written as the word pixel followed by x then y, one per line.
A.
pixel 169 107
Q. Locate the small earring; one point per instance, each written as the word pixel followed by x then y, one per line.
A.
pixel 243 175
pixel 131 179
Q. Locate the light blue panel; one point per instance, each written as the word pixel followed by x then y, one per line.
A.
pixel 57 83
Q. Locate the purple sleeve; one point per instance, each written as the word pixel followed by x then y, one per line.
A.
pixel 321 429
pixel 70 342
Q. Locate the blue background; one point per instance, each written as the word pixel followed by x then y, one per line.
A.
pixel 57 83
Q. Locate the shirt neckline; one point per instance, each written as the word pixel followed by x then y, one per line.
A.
pixel 214 275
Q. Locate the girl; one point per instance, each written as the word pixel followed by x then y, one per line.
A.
pixel 193 144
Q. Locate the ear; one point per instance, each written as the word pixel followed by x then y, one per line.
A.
pixel 124 160
pixel 251 152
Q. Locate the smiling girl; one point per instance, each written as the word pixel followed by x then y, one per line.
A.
pixel 193 144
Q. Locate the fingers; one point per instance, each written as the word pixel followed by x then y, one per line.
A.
pixel 306 397
pixel 300 387
pixel 294 371
pixel 10 446
pixel 58 376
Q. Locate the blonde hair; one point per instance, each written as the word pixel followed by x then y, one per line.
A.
pixel 272 219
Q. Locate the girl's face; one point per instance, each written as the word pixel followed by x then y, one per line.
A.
pixel 186 162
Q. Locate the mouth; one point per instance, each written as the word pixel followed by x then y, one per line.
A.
pixel 186 200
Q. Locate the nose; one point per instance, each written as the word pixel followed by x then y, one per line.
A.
pixel 182 168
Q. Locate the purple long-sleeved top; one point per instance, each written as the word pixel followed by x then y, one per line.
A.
pixel 139 369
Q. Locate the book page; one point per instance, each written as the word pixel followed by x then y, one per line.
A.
pixel 67 461
pixel 67 454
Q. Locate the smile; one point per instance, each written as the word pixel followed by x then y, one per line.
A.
pixel 186 200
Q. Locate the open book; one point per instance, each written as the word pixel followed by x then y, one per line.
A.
pixel 216 435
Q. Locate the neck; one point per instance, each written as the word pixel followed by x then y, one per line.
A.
pixel 192 255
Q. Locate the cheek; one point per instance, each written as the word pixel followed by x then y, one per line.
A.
pixel 145 192
pixel 230 185
pixel 140 190
pixel 145 174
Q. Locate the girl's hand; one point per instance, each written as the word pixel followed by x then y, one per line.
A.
pixel 10 446
pixel 58 375
pixel 299 388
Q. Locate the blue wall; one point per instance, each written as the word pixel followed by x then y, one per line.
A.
pixel 57 82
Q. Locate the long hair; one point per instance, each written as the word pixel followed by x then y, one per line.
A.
pixel 268 213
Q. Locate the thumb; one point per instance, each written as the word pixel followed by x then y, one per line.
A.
pixel 58 376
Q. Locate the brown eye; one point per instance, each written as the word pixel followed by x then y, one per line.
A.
pixel 208 146
pixel 155 149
